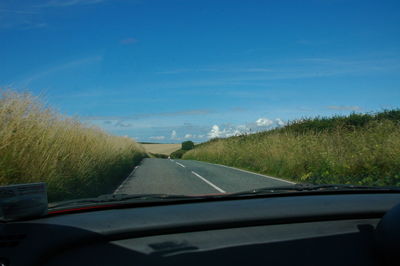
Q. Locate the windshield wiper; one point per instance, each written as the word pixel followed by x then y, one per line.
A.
pixel 152 198
pixel 315 188
pixel 116 198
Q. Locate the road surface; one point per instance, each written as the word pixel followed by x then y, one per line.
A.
pixel 186 177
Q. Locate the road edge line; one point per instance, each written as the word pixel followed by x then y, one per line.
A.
pixel 126 179
pixel 246 171
pixel 276 178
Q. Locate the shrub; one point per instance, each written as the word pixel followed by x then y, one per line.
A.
pixel 177 154
pixel 187 145
pixel 159 155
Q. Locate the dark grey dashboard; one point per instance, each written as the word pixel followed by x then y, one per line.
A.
pixel 289 230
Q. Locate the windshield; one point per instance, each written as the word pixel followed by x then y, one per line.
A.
pixel 198 98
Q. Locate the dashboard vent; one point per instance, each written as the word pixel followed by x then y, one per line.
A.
pixel 11 240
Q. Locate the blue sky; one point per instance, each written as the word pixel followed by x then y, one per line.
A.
pixel 171 70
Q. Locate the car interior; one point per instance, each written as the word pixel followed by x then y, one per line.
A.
pixel 300 229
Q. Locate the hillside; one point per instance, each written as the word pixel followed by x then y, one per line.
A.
pixel 361 149
pixel 75 160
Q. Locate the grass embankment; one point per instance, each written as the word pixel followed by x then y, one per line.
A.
pixel 361 149
pixel 75 160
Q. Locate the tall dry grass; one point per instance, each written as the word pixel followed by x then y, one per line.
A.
pixel 75 160
pixel 367 155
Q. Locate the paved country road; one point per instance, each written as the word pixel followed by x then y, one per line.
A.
pixel 186 177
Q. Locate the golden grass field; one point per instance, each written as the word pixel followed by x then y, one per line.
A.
pixel 368 155
pixel 75 160
pixel 166 149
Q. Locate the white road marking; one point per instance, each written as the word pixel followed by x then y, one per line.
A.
pixel 180 164
pixel 126 179
pixel 245 171
pixel 208 182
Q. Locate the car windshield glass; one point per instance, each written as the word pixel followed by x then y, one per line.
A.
pixel 115 101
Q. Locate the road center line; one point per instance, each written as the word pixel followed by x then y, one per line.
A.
pixel 180 164
pixel 208 182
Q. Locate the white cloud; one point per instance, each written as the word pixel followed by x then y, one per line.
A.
pixel 216 132
pixel 157 137
pixel 233 133
pixel 242 127
pixel 261 124
pixel 173 134
pixel 264 122
pixel 279 122
pixel 188 136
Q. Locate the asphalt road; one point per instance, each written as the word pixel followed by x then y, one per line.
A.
pixel 185 177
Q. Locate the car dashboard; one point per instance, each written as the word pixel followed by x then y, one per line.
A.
pixel 321 229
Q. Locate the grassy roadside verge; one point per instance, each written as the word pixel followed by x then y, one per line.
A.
pixel 359 149
pixel 39 145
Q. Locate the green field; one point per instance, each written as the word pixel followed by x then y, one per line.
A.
pixel 362 149
pixel 75 160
